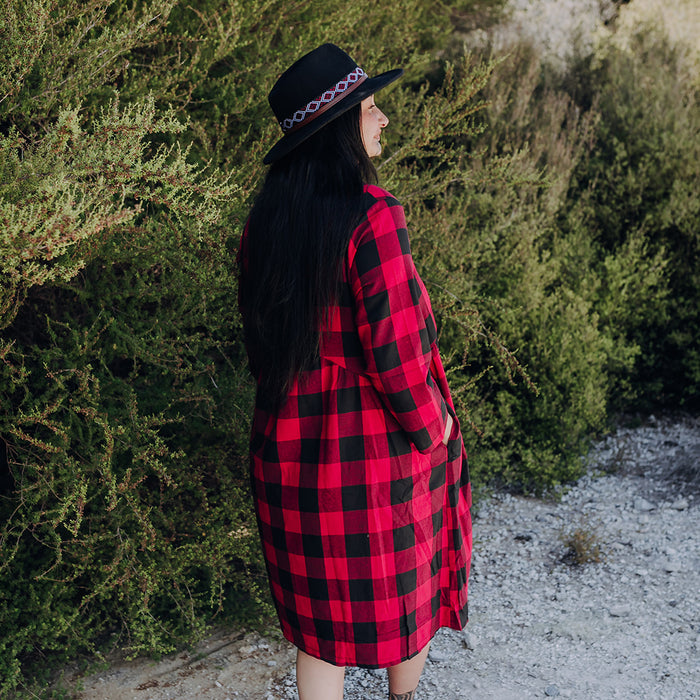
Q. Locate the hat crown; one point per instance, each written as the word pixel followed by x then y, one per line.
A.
pixel 307 78
pixel 315 90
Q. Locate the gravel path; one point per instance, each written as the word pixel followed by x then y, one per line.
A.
pixel 627 626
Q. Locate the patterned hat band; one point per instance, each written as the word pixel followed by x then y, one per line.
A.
pixel 324 101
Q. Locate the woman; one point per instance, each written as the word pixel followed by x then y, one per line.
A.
pixel 358 468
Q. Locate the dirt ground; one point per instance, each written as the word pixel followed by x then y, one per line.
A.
pixel 228 664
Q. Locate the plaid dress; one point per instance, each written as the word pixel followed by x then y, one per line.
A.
pixel 363 512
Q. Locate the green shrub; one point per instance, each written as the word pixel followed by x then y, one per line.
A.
pixel 120 506
pixel 637 198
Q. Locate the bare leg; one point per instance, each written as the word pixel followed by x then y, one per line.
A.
pixel 404 677
pixel 318 680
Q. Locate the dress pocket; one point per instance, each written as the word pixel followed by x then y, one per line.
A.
pixel 454 441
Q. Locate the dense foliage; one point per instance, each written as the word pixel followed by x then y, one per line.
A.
pixel 554 220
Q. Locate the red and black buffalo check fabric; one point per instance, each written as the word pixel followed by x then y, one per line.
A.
pixel 363 512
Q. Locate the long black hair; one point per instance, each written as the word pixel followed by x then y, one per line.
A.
pixel 298 232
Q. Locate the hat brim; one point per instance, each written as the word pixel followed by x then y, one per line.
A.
pixel 290 141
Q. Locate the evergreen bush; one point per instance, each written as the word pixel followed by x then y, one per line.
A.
pixel 638 200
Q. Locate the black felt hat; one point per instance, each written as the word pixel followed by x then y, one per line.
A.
pixel 316 89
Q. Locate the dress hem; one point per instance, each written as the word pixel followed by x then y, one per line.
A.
pixel 456 625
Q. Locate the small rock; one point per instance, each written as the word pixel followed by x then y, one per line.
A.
pixel 619 610
pixel 468 640
pixel 642 505
pixel 551 691
pixel 438 657
pixel 680 504
pixel 672 566
pixel 271 663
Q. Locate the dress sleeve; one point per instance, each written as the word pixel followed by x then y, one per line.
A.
pixel 395 324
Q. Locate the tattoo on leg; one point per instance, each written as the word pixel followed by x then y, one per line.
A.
pixel 402 696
